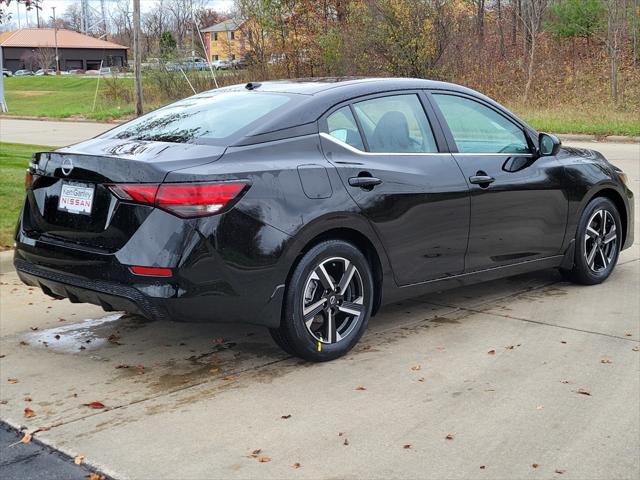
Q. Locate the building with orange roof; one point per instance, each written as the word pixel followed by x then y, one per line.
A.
pixel 20 49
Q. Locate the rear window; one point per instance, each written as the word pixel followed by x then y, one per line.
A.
pixel 207 118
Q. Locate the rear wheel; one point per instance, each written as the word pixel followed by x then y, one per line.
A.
pixel 597 244
pixel 327 304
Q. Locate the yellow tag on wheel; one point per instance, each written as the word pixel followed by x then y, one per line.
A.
pixel 319 346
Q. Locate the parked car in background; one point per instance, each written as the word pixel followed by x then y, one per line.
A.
pixel 46 71
pixel 92 72
pixel 76 71
pixel 239 64
pixel 194 63
pixel 6 72
pixel 23 73
pixel 221 64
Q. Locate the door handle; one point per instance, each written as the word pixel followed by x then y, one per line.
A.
pixel 364 182
pixel 482 179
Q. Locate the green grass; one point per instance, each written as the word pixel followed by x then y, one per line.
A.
pixel 60 97
pixel 600 121
pixel 14 159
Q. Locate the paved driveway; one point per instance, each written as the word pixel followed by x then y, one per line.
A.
pixel 526 377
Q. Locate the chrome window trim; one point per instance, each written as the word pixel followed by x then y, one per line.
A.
pixel 377 154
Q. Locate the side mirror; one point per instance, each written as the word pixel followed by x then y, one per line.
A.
pixel 548 145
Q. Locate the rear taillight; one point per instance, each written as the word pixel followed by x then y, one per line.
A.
pixel 182 199
pixel 28 180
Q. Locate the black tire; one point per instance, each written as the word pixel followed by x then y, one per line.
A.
pixel 605 255
pixel 347 309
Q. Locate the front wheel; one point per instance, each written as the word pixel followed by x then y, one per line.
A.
pixel 598 242
pixel 327 303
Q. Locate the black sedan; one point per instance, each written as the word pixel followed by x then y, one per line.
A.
pixel 304 206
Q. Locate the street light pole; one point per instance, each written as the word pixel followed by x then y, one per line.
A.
pixel 55 36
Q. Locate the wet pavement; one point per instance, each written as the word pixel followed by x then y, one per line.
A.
pixel 480 382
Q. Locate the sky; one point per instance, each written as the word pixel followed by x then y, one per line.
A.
pixel 29 18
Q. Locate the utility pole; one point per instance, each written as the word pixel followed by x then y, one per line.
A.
pixel 3 104
pixel 55 37
pixel 38 16
pixel 137 61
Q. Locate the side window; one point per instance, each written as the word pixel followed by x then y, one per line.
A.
pixel 396 124
pixel 479 129
pixel 342 126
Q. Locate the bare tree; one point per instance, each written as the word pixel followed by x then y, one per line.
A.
pixel 531 16
pixel 616 22
pixel 72 17
pixel 44 57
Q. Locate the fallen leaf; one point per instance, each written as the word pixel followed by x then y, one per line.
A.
pixel 628 334
pixel 582 391
pixel 113 338
pixel 606 360
pixel 78 460
pixel 140 369
pixel 96 476
pixel 40 429
pixel 360 387
pixel 539 407
pixel 23 343
pixel 636 348
pixel 2 356
pixel 28 413
pixel 565 381
pixel 34 328
pixel 123 365
pixel 214 370
pixel 264 459
pixel 560 472
pixel 228 377
pixel 415 368
pixel 285 417
pixel 95 404
pixel 12 380
pixel 563 341
pixel 296 465
pixel 340 434
pixel 449 436
pixel 25 439
pixel 82 347
pixel 482 467
pixel 346 441
pixel 27 398
pixel 257 452
pixel 407 446
pixel 535 465
pixel 509 347
pixel 421 379
pixel 491 352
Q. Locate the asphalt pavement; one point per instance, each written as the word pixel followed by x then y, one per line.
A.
pixel 525 377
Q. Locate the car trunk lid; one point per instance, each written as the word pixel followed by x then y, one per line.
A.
pixel 70 201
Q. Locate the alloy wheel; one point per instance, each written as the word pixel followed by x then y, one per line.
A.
pixel 600 241
pixel 333 300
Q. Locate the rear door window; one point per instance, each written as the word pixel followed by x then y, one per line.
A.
pixel 342 126
pixel 206 118
pixel 395 124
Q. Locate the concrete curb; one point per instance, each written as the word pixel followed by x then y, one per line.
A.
pixel 577 137
pixel 8 116
pixel 6 262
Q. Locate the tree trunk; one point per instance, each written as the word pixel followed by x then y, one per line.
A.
pixel 500 29
pixel 532 52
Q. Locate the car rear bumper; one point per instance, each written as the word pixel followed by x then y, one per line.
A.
pixel 109 295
